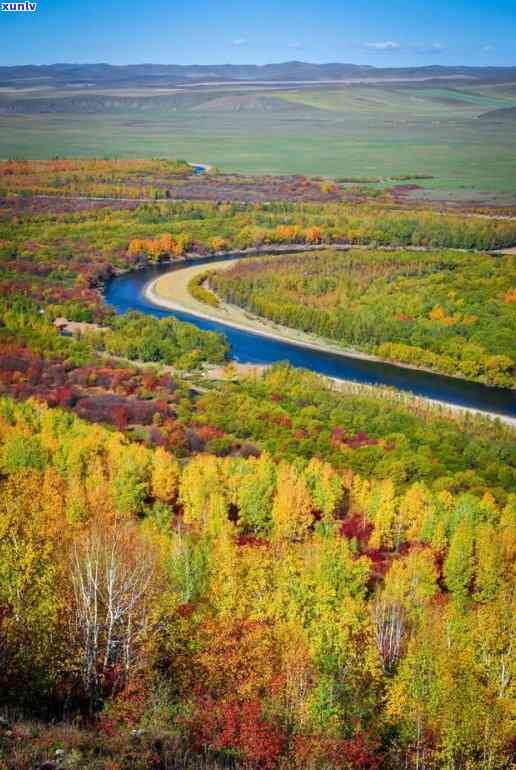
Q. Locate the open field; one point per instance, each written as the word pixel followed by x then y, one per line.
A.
pixel 357 131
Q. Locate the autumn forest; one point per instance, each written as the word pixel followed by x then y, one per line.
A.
pixel 206 567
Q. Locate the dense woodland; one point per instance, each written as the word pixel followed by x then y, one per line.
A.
pixel 250 610
pixel 57 250
pixel 445 310
pixel 262 572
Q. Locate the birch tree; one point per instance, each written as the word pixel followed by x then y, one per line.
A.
pixel 112 578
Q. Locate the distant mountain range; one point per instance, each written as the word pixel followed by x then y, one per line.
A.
pixel 167 75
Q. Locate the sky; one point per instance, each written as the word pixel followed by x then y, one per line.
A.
pixel 378 32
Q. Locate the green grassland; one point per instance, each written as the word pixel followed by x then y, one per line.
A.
pixel 339 131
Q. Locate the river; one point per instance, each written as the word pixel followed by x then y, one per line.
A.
pixel 125 293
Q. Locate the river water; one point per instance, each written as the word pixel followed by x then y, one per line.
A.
pixel 126 293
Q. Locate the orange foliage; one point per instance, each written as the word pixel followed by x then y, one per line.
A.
pixel 313 234
pixel 155 248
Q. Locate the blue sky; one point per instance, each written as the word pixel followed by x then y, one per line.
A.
pixel 379 32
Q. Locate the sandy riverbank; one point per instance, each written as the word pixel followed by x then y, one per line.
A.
pixel 438 408
pixel 442 408
pixel 170 291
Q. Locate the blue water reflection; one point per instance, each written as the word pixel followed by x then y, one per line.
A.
pixel 126 293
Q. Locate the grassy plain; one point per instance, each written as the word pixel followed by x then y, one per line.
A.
pixel 345 131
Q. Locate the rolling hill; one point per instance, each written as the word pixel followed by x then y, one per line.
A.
pixel 161 75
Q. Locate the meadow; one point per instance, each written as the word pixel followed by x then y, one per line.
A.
pixel 372 131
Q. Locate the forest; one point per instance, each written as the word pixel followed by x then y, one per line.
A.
pixel 57 247
pixel 246 610
pixel 443 310
pixel 261 571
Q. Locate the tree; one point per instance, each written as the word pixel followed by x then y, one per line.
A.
pixel 189 566
pixel 292 506
pixel 22 451
pixel 389 621
pixel 442 699
pixel 414 512
pixel 325 487
pixel 409 585
pixel 131 479
pixel 360 492
pixel 164 482
pixel 31 590
pixel 255 495
pixel 382 512
pixel 237 727
pixel 459 565
pixel 313 234
pixel 490 563
pixel 203 494
pixel 112 579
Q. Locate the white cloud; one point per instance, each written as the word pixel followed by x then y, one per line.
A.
pixel 295 45
pixel 240 41
pixel 433 48
pixel 384 45
pixel 488 48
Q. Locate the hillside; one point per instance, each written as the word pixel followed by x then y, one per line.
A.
pixel 155 75
pixel 504 114
pixel 118 102
pixel 213 567
pixel 340 129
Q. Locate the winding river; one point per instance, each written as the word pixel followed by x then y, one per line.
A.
pixel 126 292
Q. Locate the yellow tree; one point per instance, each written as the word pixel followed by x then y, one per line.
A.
pixel 490 564
pixel 415 508
pixel 166 243
pixel 53 501
pixel 286 233
pixel 318 592
pixel 76 501
pixel 136 247
pixel 155 249
pixel 409 584
pixel 30 585
pixel 164 476
pixel 325 486
pixel 98 490
pixel 255 495
pixel 203 494
pixel 382 513
pixel 130 479
pixel 298 671
pixel 225 589
pixel 437 699
pixel 459 565
pixel 412 580
pixel 491 635
pixel 217 243
pixel 359 495
pixel 292 506
pixel 508 532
